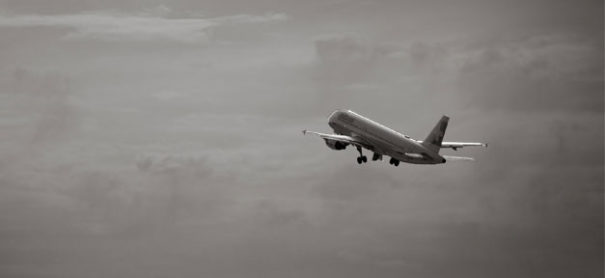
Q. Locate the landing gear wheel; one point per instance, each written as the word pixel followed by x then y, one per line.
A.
pixel 361 158
pixel 394 162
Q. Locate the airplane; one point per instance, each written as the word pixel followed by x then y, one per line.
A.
pixel 353 129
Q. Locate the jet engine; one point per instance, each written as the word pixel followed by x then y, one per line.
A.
pixel 335 145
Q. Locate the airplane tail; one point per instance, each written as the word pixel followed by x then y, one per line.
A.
pixel 434 139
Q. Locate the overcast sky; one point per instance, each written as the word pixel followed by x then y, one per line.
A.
pixel 162 138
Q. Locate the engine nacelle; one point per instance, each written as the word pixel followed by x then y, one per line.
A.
pixel 336 145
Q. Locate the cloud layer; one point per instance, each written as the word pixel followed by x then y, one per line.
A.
pixel 123 155
pixel 132 27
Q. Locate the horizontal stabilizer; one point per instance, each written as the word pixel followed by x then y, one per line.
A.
pixel 457 145
pixel 458 158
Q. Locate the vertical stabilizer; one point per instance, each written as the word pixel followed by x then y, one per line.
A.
pixel 434 139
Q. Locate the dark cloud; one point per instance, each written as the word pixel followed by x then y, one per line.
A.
pixel 537 73
pixel 343 60
pixel 42 103
pixel 425 55
pixel 349 58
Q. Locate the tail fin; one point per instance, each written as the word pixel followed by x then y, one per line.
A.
pixel 434 139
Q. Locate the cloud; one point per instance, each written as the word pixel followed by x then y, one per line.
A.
pixel 248 18
pixel 524 73
pixel 147 26
pixel 343 48
pixel 542 72
pixel 177 159
pixel 347 61
pixel 46 96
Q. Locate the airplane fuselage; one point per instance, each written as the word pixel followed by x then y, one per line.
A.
pixel 381 139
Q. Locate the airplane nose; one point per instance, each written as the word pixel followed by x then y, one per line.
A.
pixel 333 115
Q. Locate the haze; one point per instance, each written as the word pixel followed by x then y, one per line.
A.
pixel 162 138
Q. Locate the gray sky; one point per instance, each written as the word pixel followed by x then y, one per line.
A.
pixel 162 138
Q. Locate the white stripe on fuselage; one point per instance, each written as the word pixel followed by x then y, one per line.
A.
pixel 387 141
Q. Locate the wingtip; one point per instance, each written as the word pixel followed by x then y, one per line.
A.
pixel 304 131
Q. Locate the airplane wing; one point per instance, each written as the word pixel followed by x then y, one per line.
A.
pixel 336 137
pixel 457 145
pixel 339 138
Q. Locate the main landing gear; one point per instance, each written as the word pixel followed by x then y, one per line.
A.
pixel 376 156
pixel 361 158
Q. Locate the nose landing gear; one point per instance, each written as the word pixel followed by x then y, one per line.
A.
pixel 361 158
